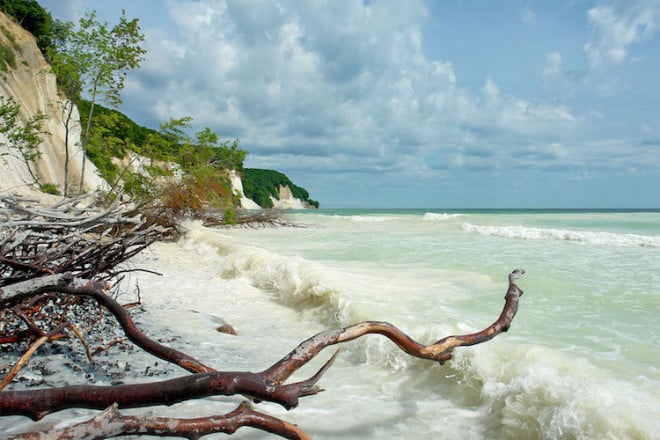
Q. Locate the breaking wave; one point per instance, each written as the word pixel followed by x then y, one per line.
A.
pixel 361 218
pixel 434 216
pixel 531 233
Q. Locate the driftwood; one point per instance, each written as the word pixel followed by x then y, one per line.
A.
pixel 111 423
pixel 264 218
pixel 70 236
pixel 35 277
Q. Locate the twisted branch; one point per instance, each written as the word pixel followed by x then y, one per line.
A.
pixel 68 284
pixel 111 423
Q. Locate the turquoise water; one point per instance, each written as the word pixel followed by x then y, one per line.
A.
pixel 580 361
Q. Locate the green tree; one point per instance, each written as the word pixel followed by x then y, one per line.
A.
pixel 203 158
pixel 100 57
pixel 23 137
pixel 228 155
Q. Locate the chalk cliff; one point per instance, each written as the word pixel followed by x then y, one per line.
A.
pixel 237 187
pixel 287 200
pixel 34 89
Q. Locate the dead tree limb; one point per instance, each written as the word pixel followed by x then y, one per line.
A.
pixel 37 403
pixel 68 284
pixel 439 351
pixel 111 423
pixel 16 368
pixel 89 240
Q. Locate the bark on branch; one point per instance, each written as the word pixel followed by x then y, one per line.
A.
pixel 111 423
pixel 440 351
pixel 68 284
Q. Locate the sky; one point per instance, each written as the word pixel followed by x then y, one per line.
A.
pixel 413 104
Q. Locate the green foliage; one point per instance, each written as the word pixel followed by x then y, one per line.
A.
pixel 93 60
pixel 100 55
pixel 170 143
pixel 10 37
pixel 102 159
pixel 137 185
pixel 118 125
pixel 259 185
pixel 228 155
pixel 203 157
pixel 23 137
pixel 7 58
pixel 7 55
pixel 49 188
pixel 229 216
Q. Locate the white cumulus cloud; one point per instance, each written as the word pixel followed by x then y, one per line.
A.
pixel 615 27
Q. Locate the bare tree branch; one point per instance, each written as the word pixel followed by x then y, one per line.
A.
pixel 440 351
pixel 16 368
pixel 68 284
pixel 111 423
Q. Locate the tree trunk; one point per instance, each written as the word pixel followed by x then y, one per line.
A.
pixel 85 137
pixel 68 110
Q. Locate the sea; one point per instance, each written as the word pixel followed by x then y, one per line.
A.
pixel 580 361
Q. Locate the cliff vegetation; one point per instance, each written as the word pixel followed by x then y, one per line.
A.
pixel 264 185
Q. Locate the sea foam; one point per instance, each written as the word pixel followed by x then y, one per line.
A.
pixel 435 216
pixel 517 386
pixel 361 218
pixel 590 237
pixel 539 392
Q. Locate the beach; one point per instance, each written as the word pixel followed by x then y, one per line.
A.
pixel 579 362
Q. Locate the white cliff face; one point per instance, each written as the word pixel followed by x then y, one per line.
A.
pixel 34 89
pixel 287 201
pixel 237 187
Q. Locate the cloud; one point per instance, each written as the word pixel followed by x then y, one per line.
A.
pixel 615 27
pixel 528 17
pixel 69 11
pixel 351 84
pixel 553 63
